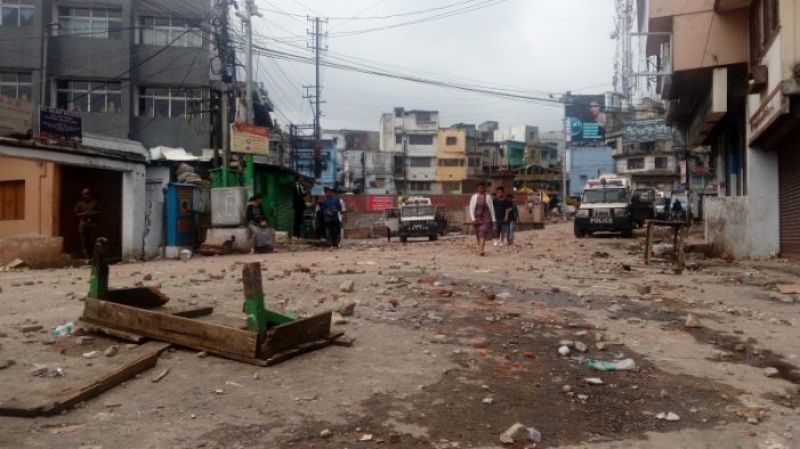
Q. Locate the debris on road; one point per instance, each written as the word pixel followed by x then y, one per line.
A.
pixel 617 365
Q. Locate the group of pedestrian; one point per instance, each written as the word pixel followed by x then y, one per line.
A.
pixel 494 217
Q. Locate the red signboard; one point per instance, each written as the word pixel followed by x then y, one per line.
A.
pixel 380 203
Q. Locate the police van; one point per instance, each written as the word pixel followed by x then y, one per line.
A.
pixel 605 207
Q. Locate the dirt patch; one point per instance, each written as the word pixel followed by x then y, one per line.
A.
pixel 510 371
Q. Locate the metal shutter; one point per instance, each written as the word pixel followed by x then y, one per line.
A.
pixel 789 169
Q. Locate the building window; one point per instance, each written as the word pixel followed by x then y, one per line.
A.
pixel 12 200
pixel 451 162
pixel 16 12
pixel 423 117
pixel 15 85
pixel 398 138
pixel 450 188
pixel 764 24
pixel 661 163
pixel 89 96
pixel 100 23
pixel 452 141
pixel 420 140
pixel 474 162
pixel 170 102
pixel 419 162
pixel 169 31
pixel 419 186
pixel 636 163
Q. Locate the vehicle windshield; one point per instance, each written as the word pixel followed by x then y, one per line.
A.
pixel 416 211
pixel 605 196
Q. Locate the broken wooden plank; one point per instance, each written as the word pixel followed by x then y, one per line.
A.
pixel 287 336
pixel 111 332
pixel 196 312
pixel 147 356
pixel 303 348
pixel 195 334
pixel 789 289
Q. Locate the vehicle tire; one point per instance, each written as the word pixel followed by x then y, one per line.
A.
pixel 580 233
pixel 404 239
pixel 433 237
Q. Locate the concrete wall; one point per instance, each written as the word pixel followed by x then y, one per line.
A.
pixel 40 193
pixel 724 36
pixel 735 226
pixel 667 8
pixel 153 236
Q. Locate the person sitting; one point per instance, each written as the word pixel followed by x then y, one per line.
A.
pixel 258 226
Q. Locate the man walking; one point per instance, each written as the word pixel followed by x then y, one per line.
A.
pixel 330 208
pixel 299 204
pixel 500 206
pixel 86 212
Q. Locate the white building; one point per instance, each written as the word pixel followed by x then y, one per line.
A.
pixel 412 135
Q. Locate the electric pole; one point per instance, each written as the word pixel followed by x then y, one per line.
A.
pixel 316 45
pixel 250 10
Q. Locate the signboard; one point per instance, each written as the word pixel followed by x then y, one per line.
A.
pixel 586 119
pixel 16 116
pixel 380 203
pixel 249 139
pixel 646 131
pixel 58 124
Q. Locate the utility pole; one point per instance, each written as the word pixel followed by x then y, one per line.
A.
pixel 250 10
pixel 316 45
pixel 564 166
pixel 44 83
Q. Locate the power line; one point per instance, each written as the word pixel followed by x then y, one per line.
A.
pixel 360 17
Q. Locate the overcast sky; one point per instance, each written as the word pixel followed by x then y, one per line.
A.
pixel 537 46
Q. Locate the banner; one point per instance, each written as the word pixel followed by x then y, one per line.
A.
pixel 646 131
pixel 380 203
pixel 586 119
pixel 16 117
pixel 249 139
pixel 58 124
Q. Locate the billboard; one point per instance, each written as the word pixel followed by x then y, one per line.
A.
pixel 249 139
pixel 586 119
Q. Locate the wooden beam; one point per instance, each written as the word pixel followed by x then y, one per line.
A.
pixel 195 334
pixel 69 397
pixel 287 336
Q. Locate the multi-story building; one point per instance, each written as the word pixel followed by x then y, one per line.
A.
pixel 412 135
pixel 553 145
pixel 644 150
pixel 134 69
pixel 736 94
pixel 511 137
pixel 355 151
pixel 474 159
pixel 451 170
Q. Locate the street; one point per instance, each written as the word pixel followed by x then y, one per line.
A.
pixel 450 351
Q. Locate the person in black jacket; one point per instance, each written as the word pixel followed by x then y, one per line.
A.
pixel 299 204
pixel 257 225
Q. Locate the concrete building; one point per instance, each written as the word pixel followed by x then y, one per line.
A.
pixel 413 135
pixel 474 160
pixel 644 150
pixel 531 148
pixel 451 170
pixel 588 163
pixel 134 69
pixel 738 95
pixel 354 149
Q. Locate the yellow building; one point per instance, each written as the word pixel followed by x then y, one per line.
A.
pixel 451 160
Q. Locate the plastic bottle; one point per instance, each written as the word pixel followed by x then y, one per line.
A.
pixel 63 330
